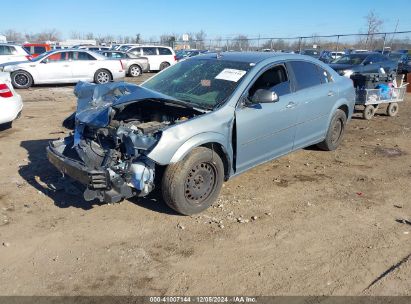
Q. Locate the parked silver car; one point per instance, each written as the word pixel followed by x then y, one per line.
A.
pixel 134 65
pixel 199 123
pixel 64 66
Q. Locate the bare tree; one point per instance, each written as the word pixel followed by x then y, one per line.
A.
pixel 374 25
pixel 240 43
pixel 49 35
pixel 13 35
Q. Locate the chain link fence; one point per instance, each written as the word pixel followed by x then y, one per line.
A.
pixel 337 42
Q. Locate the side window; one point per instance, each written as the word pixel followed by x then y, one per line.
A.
pixel 306 74
pixel 164 51
pixel 324 75
pixel 26 48
pixel 39 49
pixel 62 56
pixel 149 51
pixel 136 51
pixel 274 79
pixel 82 56
pixel 5 50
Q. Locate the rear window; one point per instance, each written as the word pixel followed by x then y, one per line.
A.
pixel 39 49
pixel 164 51
pixel 149 51
pixel 306 74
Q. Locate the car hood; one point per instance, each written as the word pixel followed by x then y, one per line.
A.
pixel 14 64
pixel 96 102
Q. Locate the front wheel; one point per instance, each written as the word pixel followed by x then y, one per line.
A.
pixel 335 132
pixel 21 80
pixel 193 184
pixel 102 76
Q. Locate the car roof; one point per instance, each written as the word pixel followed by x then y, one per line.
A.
pixel 10 44
pixel 250 57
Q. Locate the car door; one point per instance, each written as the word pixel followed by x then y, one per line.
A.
pixel 153 58
pixel 55 68
pixel 316 94
pixel 83 65
pixel 266 130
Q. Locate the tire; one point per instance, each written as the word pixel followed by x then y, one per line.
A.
pixel 335 132
pixel 102 76
pixel 368 112
pixel 135 70
pixel 193 184
pixel 5 126
pixel 21 79
pixel 164 65
pixel 392 109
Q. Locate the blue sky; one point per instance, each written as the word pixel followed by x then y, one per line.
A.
pixel 225 18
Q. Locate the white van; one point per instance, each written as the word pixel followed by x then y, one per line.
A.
pixel 159 57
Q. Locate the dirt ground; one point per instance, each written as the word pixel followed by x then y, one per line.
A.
pixel 311 223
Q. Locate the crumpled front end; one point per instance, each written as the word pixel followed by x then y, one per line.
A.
pixel 116 126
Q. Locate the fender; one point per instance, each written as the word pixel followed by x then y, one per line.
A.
pixel 195 141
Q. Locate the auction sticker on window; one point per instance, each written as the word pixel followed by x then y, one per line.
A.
pixel 231 75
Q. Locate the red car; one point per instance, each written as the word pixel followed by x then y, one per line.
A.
pixel 35 49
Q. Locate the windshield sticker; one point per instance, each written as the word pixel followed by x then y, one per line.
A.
pixel 231 75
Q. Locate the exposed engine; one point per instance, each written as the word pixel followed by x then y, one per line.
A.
pixel 121 146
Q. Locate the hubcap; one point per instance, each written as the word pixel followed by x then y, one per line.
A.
pixel 336 132
pixel 21 79
pixel 135 71
pixel 200 183
pixel 103 77
pixel 393 109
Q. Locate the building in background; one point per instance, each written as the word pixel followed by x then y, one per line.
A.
pixel 3 39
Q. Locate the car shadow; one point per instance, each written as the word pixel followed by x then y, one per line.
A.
pixel 65 192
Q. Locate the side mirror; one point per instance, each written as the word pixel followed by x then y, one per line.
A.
pixel 264 96
pixel 45 61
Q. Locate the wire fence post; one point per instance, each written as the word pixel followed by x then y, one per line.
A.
pixel 383 45
pixel 338 42
pixel 271 44
pixel 299 43
pixel 226 45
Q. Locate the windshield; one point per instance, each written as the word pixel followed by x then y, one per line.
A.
pixel 354 59
pixel 201 82
pixel 396 56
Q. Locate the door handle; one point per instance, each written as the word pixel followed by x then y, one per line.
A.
pixel 331 93
pixel 290 105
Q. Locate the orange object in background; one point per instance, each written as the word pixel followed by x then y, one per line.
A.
pixel 408 79
pixel 35 49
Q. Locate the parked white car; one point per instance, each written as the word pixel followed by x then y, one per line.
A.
pixel 64 66
pixel 12 53
pixel 159 57
pixel 10 102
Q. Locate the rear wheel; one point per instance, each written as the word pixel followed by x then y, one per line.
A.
pixel 193 184
pixel 21 79
pixel 164 65
pixel 392 109
pixel 368 112
pixel 135 70
pixel 102 76
pixel 335 132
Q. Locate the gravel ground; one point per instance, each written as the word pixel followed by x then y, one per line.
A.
pixel 310 223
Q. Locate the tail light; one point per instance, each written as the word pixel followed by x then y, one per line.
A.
pixel 175 58
pixel 29 57
pixel 5 91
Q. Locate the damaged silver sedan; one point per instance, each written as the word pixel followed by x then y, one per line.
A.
pixel 199 123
